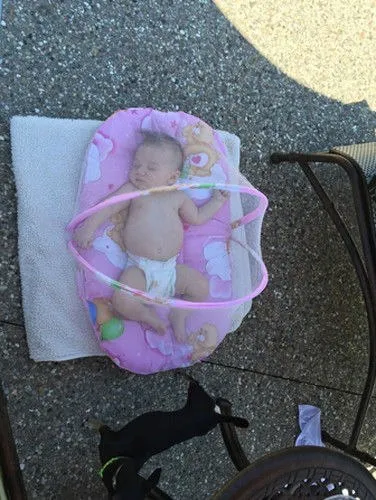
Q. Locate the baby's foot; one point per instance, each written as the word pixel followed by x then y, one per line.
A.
pixel 159 327
pixel 156 323
pixel 177 319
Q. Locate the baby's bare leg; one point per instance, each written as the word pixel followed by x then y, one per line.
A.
pixel 131 307
pixel 190 285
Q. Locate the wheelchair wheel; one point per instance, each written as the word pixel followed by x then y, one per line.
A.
pixel 301 472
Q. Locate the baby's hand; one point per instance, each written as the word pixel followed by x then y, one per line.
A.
pixel 221 195
pixel 84 235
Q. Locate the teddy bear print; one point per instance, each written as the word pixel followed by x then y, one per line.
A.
pixel 199 150
pixel 203 341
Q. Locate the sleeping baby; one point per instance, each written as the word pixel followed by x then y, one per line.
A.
pixel 153 234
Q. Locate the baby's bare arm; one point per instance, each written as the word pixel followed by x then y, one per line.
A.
pixel 85 232
pixel 196 216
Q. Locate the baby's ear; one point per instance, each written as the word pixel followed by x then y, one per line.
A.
pixel 175 176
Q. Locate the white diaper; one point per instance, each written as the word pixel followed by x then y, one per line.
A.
pixel 160 275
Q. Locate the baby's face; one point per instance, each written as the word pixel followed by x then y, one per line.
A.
pixel 153 166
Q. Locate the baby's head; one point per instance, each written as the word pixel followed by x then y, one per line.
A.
pixel 158 161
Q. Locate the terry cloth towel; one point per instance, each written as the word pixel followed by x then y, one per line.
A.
pixel 48 155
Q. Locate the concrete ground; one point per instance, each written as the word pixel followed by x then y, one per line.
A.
pixel 305 340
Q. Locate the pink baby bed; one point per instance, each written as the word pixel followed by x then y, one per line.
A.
pixel 226 249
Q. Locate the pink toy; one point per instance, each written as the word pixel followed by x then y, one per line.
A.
pixel 226 249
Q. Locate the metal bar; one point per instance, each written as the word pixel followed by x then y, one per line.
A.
pixel 361 455
pixel 10 466
pixel 367 275
pixel 230 437
pixel 369 297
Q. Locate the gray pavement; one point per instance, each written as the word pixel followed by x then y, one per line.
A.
pixel 305 340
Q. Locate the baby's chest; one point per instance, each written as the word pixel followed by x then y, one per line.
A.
pixel 152 205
